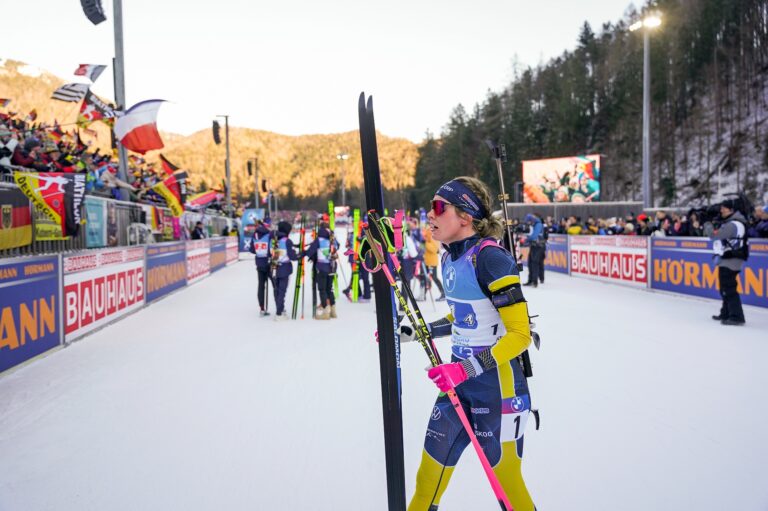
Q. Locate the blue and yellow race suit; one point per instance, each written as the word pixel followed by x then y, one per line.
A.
pixel 489 329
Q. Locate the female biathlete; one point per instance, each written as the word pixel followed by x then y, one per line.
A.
pixel 489 329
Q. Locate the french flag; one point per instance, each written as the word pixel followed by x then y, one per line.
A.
pixel 137 127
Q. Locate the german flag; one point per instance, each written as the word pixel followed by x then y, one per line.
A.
pixel 168 167
pixel 169 190
pixel 16 225
pixel 56 134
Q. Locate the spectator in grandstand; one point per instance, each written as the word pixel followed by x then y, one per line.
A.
pixel 678 226
pixel 572 226
pixel 644 226
pixel 695 225
pixel 759 227
pixel 198 233
pixel 29 156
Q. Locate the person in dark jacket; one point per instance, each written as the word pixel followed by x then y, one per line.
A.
pixel 323 252
pixel 198 233
pixel 644 226
pixel 282 255
pixel 731 252
pixel 537 247
pixel 760 227
pixel 261 243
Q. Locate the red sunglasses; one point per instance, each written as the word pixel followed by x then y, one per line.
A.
pixel 439 207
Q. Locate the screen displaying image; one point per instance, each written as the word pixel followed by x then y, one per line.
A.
pixel 570 179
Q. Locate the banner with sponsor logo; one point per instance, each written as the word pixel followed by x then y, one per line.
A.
pixel 166 269
pixel 218 253
pixel 198 260
pixel 233 249
pixel 29 308
pixel 557 254
pixel 58 195
pixel 95 223
pixel 619 259
pixel 686 265
pixel 45 228
pixel 101 286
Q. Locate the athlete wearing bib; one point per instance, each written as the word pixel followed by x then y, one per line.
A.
pixel 489 329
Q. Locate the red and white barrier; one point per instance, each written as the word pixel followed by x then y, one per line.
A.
pixel 619 259
pixel 100 287
pixel 198 260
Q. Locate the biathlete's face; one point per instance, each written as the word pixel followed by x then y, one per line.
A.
pixel 447 222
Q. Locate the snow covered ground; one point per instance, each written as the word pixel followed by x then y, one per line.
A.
pixel 196 403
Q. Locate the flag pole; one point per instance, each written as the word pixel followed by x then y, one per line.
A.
pixel 119 70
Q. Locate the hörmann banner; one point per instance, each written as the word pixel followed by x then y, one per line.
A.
pixel 556 255
pixel 619 259
pixel 29 308
pixel 166 269
pixel 686 265
pixel 101 286
pixel 218 253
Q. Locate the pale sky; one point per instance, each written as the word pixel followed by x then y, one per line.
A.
pixel 297 66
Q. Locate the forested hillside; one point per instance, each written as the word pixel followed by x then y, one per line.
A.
pixel 709 93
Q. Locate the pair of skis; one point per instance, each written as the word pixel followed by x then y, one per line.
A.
pixel 298 287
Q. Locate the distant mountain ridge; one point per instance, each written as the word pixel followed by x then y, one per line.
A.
pixel 301 169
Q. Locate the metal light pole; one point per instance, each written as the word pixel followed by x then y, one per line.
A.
pixel 652 20
pixel 119 72
pixel 229 183
pixel 255 181
pixel 341 157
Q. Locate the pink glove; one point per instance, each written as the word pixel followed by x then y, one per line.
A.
pixel 447 376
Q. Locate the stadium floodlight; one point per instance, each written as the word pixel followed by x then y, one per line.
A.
pixel 652 20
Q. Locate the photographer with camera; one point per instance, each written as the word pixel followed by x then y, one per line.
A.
pixel 731 252
pixel 537 244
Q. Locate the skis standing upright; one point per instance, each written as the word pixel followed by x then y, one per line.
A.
pixel 299 272
pixel 355 262
pixel 332 228
pixel 386 319
pixel 314 278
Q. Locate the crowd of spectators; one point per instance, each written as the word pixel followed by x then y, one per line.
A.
pixel 660 223
pixel 39 147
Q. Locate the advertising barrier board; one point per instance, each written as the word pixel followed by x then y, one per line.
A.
pixel 233 249
pixel 557 254
pixel 198 260
pixel 95 223
pixel 166 269
pixel 218 254
pixel 619 259
pixel 686 265
pixel 29 308
pixel 101 286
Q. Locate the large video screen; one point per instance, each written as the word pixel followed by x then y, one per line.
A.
pixel 570 179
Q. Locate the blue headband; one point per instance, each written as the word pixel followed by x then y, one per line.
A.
pixel 462 197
